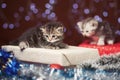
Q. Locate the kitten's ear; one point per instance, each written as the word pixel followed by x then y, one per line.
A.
pixel 60 29
pixel 42 29
pixel 94 22
pixel 79 24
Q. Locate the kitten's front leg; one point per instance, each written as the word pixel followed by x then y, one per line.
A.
pixel 23 45
pixel 101 40
pixel 63 46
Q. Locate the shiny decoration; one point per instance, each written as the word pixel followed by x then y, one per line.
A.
pixel 3 5
pixel 92 74
pixel 8 63
pixel 5 25
pixel 119 20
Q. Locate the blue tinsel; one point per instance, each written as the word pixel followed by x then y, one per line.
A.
pixel 8 63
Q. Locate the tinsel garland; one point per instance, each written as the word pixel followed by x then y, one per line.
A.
pixel 8 63
pixel 12 69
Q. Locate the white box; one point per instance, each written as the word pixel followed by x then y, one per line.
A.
pixel 64 57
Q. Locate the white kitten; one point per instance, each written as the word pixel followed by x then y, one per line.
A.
pixel 98 32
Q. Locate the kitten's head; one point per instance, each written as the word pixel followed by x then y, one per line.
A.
pixel 88 27
pixel 53 31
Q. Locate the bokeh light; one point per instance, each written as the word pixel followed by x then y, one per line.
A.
pixel 35 11
pixel 5 25
pixel 32 6
pixel 98 18
pixel 21 9
pixel 27 18
pixel 86 11
pixel 52 15
pixel 47 11
pixel 11 26
pixel 75 6
pixel 52 1
pixel 47 5
pixel 3 5
pixel 105 13
pixel 119 20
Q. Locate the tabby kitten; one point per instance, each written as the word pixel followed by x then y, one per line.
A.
pixel 98 32
pixel 50 36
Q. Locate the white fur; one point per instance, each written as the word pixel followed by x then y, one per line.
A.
pixel 110 41
pixel 88 27
pixel 101 40
pixel 23 45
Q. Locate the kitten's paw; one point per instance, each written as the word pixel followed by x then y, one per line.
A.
pixel 63 46
pixel 101 43
pixel 23 45
pixel 110 42
pixel 57 47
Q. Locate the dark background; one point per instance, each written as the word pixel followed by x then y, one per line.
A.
pixel 65 10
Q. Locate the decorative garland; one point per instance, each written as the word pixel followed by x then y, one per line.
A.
pixel 8 63
pixel 11 69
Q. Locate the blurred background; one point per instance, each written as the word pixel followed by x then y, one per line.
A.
pixel 16 16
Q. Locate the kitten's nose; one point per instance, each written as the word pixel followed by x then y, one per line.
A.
pixel 84 35
pixel 50 39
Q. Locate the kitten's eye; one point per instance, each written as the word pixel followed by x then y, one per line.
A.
pixel 46 36
pixel 94 24
pixel 87 31
pixel 53 36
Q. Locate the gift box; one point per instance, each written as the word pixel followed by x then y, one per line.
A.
pixel 65 57
pixel 103 50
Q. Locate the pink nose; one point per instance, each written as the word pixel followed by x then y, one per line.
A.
pixel 84 35
pixel 50 39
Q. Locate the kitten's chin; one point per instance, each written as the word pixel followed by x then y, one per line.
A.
pixel 89 35
pixel 51 41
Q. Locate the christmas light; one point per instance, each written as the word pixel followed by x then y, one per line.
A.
pixel 47 11
pixel 105 13
pixel 75 6
pixel 5 25
pixel 86 11
pixel 11 26
pixel 21 9
pixel 119 20
pixel 97 17
pixel 27 18
pixel 3 5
